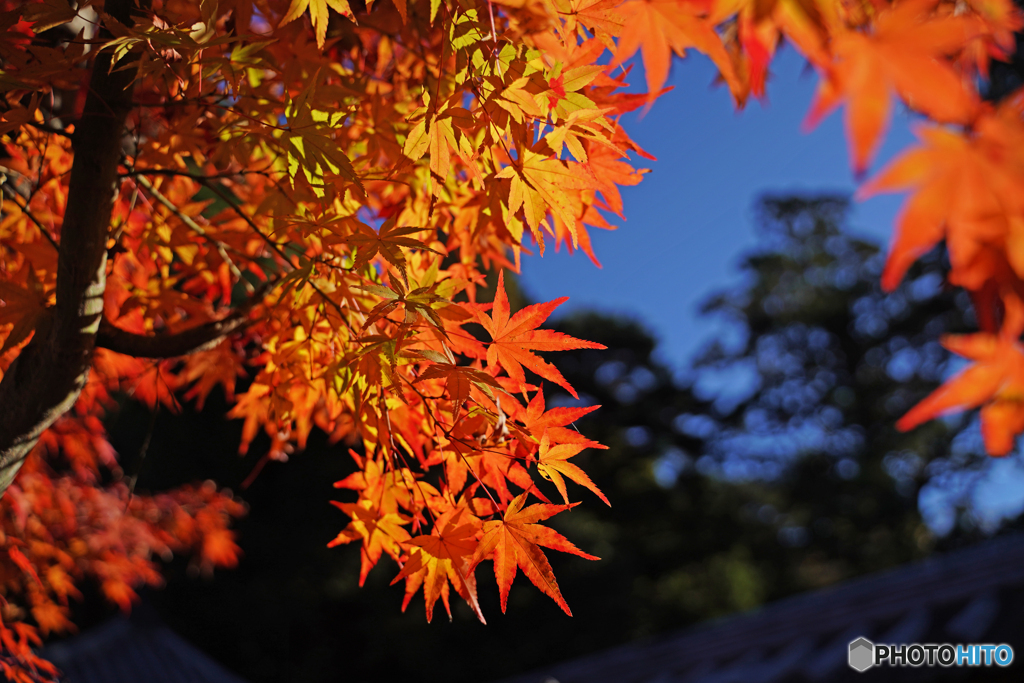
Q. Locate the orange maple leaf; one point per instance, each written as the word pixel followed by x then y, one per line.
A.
pixel 905 55
pixel 599 16
pixel 119 592
pixel 219 548
pixel 552 422
pixel 995 381
pixel 540 184
pixel 515 542
pixel 612 172
pixel 51 617
pixel 553 463
pixel 388 243
pixel 459 379
pixel 22 308
pixel 495 469
pixel 318 14
pixel 441 557
pixel 515 339
pixel 966 190
pixel 23 563
pixel 209 368
pixel 379 533
pixel 660 27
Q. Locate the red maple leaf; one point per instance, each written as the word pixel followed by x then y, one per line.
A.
pixel 515 542
pixel 515 339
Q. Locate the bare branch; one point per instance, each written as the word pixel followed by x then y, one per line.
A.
pixel 168 345
pixel 179 343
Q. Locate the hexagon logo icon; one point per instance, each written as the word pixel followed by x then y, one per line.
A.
pixel 862 654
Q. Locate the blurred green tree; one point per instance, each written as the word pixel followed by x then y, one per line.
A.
pixel 820 364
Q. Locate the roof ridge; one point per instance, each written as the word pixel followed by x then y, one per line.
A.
pixel 852 604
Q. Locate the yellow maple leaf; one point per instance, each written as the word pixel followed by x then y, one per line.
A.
pixel 318 14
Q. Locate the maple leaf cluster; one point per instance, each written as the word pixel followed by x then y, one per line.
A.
pixel 309 193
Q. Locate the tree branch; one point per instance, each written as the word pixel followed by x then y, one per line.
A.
pixel 178 343
pixel 167 345
pixel 45 380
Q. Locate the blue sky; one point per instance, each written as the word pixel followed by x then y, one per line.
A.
pixel 689 221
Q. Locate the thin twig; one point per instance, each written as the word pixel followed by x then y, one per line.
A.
pixel 186 174
pixel 15 197
pixel 277 249
pixel 439 425
pixel 196 228
pixel 46 129
pixel 142 456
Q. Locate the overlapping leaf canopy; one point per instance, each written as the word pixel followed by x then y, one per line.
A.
pixel 312 191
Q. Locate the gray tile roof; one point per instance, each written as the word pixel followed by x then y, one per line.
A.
pixel 134 651
pixel 971 595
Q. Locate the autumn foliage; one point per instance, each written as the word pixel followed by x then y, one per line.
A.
pixel 308 194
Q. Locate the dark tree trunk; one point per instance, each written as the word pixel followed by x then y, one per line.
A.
pixel 47 377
